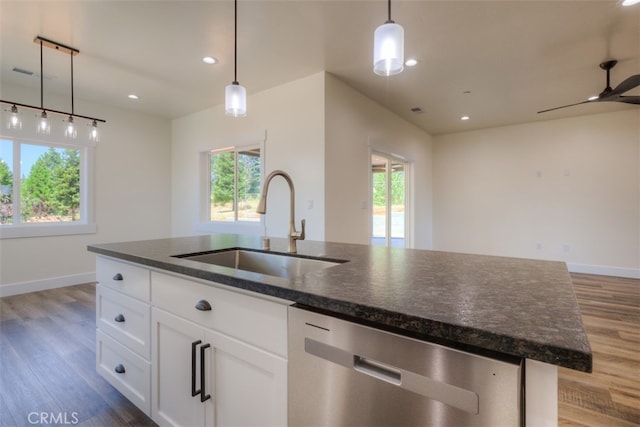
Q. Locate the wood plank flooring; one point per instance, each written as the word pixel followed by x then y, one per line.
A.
pixel 47 360
pixel 610 396
pixel 47 363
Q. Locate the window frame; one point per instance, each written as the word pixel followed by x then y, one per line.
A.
pixel 86 224
pixel 205 223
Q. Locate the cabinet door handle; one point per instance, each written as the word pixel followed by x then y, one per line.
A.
pixel 119 318
pixel 203 305
pixel 118 277
pixel 120 369
pixel 203 396
pixel 194 392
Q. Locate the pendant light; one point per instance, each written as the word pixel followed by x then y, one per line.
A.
pixel 388 47
pixel 94 135
pixel 14 119
pixel 44 127
pixel 44 121
pixel 70 129
pixel 235 96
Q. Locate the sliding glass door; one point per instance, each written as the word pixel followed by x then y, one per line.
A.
pixel 388 200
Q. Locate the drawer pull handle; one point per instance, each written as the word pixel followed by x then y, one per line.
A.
pixel 119 318
pixel 194 392
pixel 203 305
pixel 120 369
pixel 203 396
pixel 118 277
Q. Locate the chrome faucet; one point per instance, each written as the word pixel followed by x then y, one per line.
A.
pixel 262 208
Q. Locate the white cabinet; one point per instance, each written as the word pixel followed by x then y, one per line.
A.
pixel 158 349
pixel 123 324
pixel 238 384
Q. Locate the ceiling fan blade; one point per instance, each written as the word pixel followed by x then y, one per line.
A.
pixel 629 99
pixel 565 106
pixel 626 85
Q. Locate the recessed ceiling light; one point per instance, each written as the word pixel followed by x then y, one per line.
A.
pixel 209 60
pixel 133 96
pixel 593 98
pixel 630 2
pixel 411 62
pixel 465 118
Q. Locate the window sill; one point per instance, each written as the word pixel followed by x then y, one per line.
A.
pixel 44 230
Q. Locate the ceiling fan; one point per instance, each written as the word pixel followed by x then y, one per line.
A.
pixel 608 94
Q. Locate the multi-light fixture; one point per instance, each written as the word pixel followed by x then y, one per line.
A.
pixel 235 96
pixel 388 47
pixel 44 124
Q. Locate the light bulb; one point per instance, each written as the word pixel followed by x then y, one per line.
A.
pixel 70 131
pixel 44 127
pixel 388 49
pixel 14 119
pixel 235 100
pixel 94 135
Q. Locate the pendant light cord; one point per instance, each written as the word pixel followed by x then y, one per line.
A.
pixel 389 21
pixel 72 110
pixel 235 42
pixel 41 80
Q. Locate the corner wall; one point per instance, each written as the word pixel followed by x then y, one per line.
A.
pixel 565 189
pixel 292 117
pixel 354 125
pixel 132 201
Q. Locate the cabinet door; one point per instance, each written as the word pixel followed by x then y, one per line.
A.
pixel 249 384
pixel 172 400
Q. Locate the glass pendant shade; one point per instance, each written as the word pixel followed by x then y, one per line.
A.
pixel 14 119
pixel 235 100
pixel 388 49
pixel 70 131
pixel 44 126
pixel 94 135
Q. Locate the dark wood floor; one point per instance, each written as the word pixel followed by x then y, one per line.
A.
pixel 47 363
pixel 47 360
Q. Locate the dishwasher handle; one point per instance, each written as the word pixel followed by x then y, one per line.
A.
pixel 377 370
pixel 449 394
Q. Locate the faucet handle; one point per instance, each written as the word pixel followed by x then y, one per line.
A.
pixel 300 235
pixel 302 232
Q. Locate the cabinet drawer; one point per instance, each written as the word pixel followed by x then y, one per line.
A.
pixel 123 277
pixel 256 321
pixel 134 381
pixel 124 318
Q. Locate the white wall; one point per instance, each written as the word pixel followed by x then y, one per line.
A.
pixel 561 189
pixel 292 117
pixel 354 124
pixel 132 198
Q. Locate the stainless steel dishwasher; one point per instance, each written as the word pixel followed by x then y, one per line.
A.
pixel 346 374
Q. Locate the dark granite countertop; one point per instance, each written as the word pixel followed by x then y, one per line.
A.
pixel 498 305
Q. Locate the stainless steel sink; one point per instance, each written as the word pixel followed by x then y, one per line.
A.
pixel 271 264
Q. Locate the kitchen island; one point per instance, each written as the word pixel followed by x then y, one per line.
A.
pixel 492 306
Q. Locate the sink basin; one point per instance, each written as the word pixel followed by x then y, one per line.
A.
pixel 270 264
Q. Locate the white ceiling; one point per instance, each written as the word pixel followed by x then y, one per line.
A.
pixel 514 57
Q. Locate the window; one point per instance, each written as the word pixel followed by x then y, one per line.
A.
pixel 43 189
pixel 388 200
pixel 234 184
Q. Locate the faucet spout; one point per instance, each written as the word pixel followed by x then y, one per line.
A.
pixel 262 208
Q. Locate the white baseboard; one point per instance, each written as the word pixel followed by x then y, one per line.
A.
pixel 44 284
pixel 603 270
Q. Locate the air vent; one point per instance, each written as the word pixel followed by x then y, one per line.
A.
pixel 417 110
pixel 20 70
